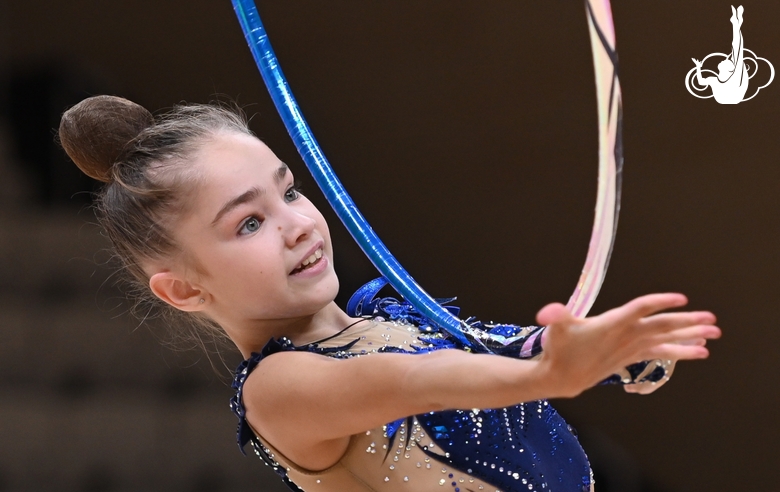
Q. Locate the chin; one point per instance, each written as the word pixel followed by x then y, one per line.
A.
pixel 324 293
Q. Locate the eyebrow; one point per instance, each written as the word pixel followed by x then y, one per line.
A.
pixel 250 195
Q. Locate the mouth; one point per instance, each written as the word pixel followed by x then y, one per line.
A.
pixel 309 262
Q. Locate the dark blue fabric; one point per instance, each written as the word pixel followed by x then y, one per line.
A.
pixel 485 445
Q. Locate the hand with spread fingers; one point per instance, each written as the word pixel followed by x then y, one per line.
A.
pixel 580 353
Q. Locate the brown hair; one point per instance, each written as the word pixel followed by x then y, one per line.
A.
pixel 145 162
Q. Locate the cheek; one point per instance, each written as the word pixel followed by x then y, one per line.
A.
pixel 322 225
pixel 325 230
pixel 239 266
pixel 251 285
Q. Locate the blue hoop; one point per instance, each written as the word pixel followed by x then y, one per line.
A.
pixel 602 36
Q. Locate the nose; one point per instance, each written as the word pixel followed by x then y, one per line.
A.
pixel 298 227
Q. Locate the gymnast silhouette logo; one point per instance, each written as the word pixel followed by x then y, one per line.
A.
pixel 730 84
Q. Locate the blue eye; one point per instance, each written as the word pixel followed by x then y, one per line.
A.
pixel 251 225
pixel 292 193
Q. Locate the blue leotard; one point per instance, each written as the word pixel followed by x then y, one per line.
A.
pixel 527 447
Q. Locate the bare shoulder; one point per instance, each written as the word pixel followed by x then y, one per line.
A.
pixel 277 397
pixel 275 380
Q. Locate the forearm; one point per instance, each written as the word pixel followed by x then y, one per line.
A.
pixel 448 379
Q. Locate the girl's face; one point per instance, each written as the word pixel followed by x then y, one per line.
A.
pixel 263 249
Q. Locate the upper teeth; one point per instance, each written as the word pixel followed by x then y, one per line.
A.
pixel 311 259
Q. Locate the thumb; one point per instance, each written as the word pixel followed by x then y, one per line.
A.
pixel 554 314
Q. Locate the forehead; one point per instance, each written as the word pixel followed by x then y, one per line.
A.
pixel 227 154
pixel 228 165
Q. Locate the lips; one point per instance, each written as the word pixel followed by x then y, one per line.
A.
pixel 312 258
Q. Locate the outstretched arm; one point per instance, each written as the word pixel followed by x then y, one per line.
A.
pixel 304 402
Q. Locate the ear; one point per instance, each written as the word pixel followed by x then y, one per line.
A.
pixel 177 292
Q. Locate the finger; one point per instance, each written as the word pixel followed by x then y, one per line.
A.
pixel 695 341
pixel 644 306
pixel 643 388
pixel 689 333
pixel 675 351
pixel 671 321
pixel 555 314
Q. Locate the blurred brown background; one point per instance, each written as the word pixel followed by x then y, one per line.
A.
pixel 466 133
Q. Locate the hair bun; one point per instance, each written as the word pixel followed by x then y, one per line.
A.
pixel 95 131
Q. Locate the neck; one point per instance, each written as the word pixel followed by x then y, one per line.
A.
pixel 252 335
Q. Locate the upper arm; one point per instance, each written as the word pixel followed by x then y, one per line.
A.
pixel 307 398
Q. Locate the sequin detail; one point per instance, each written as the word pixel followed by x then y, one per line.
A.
pixel 527 447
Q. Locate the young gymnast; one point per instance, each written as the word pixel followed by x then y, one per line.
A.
pixel 208 221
